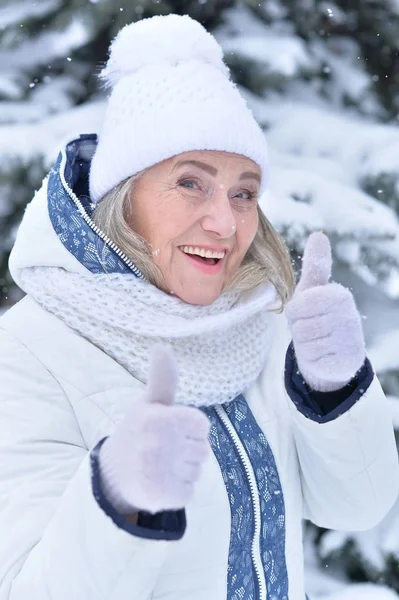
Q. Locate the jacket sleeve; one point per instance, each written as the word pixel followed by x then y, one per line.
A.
pixel 57 541
pixel 348 456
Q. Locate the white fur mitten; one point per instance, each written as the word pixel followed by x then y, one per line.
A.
pixel 154 456
pixel 325 324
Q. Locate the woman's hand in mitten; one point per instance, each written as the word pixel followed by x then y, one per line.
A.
pixel 154 456
pixel 325 324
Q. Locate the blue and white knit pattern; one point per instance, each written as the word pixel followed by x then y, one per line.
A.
pixel 240 575
pixel 241 580
pixel 270 495
pixel 73 231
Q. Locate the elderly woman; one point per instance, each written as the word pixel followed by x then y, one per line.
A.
pixel 164 424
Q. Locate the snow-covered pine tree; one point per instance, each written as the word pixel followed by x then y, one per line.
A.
pixel 317 101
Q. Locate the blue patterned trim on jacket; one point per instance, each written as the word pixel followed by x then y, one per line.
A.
pixel 241 577
pixel 73 231
pixel 240 571
pixel 270 494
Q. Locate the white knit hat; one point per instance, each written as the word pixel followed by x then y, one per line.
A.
pixel 171 94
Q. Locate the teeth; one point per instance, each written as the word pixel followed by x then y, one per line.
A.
pixel 202 252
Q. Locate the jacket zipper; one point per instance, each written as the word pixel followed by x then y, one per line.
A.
pixel 255 549
pixel 91 223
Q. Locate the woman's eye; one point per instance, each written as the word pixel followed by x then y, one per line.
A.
pixel 246 195
pixel 188 184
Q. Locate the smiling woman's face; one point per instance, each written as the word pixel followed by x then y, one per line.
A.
pixel 198 211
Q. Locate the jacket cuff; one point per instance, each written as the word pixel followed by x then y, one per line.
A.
pixel 165 525
pixel 323 407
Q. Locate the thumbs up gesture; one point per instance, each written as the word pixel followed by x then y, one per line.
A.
pixel 154 456
pixel 325 324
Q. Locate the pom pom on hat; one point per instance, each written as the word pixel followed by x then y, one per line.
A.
pixel 170 39
pixel 171 93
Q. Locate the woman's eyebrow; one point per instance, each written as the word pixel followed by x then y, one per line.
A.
pixel 196 163
pixel 212 170
pixel 250 175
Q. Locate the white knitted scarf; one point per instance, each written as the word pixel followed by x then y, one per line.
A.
pixel 220 349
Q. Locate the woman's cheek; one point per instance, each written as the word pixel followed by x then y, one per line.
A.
pixel 247 230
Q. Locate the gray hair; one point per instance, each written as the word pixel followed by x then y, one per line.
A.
pixel 267 259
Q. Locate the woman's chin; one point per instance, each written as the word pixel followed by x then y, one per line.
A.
pixel 199 293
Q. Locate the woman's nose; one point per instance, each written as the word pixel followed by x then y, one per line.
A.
pixel 219 218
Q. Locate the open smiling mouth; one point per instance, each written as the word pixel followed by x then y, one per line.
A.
pixel 202 256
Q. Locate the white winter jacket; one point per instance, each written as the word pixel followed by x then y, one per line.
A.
pixel 275 459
